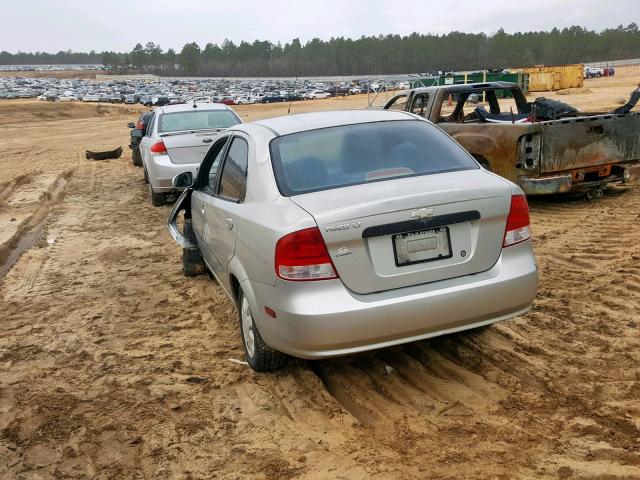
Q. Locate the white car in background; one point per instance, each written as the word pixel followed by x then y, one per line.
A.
pixel 177 139
pixel 318 94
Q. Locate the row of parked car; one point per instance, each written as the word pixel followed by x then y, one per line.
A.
pixel 173 91
pixel 337 232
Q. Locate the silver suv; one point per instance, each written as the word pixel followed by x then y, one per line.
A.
pixel 340 232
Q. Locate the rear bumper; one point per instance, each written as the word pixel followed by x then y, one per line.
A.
pixel 546 185
pixel 161 171
pixel 564 182
pixel 324 319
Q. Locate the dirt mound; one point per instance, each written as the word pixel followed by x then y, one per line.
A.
pixel 31 111
pixel 574 91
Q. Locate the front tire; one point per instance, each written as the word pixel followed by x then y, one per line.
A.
pixel 192 262
pixel 259 356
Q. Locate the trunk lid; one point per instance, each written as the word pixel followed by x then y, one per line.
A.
pixel 188 147
pixel 581 142
pixel 368 228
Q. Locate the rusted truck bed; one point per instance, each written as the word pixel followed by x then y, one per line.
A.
pixel 583 152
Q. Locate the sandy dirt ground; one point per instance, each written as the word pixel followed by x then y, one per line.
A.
pixel 115 366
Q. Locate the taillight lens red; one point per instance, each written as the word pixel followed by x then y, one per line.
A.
pixel 303 256
pixel 518 225
pixel 139 125
pixel 158 147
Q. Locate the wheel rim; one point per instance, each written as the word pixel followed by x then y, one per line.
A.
pixel 247 327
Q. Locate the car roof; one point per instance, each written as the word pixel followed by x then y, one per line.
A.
pixel 189 107
pixel 311 121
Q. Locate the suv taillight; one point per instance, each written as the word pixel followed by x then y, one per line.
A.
pixel 158 147
pixel 303 256
pixel 517 229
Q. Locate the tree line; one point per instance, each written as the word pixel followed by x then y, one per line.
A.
pixel 367 55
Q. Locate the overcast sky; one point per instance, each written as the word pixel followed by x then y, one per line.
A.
pixel 83 25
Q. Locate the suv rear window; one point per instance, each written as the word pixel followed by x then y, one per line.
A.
pixel 354 154
pixel 196 120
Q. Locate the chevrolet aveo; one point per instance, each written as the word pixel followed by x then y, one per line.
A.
pixel 340 232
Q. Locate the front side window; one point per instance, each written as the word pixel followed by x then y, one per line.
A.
pixel 212 176
pixel 196 120
pixel 233 181
pixel 208 175
pixel 397 103
pixel 349 155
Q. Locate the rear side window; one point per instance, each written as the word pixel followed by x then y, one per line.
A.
pixel 353 154
pixel 420 104
pixel 233 181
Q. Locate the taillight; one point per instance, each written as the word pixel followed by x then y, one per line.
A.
pixel 139 125
pixel 517 229
pixel 303 256
pixel 158 147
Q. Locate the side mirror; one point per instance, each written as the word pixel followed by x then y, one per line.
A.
pixel 182 180
pixel 131 125
pixel 136 133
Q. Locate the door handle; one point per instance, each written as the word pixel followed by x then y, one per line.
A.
pixel 207 140
pixel 228 222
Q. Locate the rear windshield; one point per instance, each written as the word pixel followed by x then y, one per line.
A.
pixel 196 120
pixel 349 155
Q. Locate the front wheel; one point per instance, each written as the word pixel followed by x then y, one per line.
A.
pixel 259 355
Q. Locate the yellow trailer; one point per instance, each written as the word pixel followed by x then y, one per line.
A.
pixel 548 78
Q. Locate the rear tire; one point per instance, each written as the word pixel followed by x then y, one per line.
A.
pixel 259 356
pixel 158 199
pixel 192 262
pixel 136 157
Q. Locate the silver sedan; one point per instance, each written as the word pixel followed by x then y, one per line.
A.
pixel 340 232
pixel 177 139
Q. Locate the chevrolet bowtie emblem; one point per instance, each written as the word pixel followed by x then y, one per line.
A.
pixel 422 213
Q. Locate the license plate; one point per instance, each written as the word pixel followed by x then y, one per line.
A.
pixel 421 246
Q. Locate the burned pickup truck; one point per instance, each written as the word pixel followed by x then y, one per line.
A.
pixel 544 146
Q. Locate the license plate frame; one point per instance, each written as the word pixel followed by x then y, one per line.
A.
pixel 442 251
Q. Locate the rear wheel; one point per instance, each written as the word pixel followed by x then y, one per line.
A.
pixel 158 199
pixel 259 355
pixel 192 262
pixel 136 157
